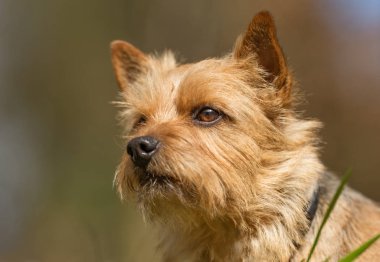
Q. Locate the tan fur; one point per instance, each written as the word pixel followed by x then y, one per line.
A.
pixel 236 190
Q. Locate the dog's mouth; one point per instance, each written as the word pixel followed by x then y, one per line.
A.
pixel 148 178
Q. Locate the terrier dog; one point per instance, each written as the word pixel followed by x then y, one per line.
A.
pixel 218 158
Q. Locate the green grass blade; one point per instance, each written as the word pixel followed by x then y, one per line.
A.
pixel 330 208
pixel 354 254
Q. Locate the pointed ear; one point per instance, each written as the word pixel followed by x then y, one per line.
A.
pixel 128 63
pixel 260 41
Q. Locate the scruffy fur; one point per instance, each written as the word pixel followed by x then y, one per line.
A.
pixel 236 190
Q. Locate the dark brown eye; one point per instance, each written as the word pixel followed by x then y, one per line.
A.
pixel 140 121
pixel 207 116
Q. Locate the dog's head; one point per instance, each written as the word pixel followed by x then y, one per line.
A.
pixel 217 138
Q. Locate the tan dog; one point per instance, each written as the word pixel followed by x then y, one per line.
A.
pixel 219 159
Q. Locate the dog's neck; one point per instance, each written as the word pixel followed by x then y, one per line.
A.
pixel 225 235
pixel 313 205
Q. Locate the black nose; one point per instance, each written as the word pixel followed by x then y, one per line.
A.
pixel 141 149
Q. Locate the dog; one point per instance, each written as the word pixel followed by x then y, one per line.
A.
pixel 220 161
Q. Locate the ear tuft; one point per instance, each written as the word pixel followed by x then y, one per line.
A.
pixel 260 41
pixel 128 63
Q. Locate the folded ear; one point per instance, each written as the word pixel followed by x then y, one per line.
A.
pixel 128 63
pixel 260 41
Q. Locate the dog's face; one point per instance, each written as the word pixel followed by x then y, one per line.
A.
pixel 203 139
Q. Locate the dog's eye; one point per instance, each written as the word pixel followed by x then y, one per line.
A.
pixel 207 116
pixel 140 121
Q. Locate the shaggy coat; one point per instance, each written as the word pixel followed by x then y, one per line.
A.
pixel 237 188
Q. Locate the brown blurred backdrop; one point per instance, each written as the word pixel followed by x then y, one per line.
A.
pixel 59 140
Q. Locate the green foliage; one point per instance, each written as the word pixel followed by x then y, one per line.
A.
pixel 329 210
pixel 357 252
pixel 354 254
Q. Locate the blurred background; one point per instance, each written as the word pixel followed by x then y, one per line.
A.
pixel 59 142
